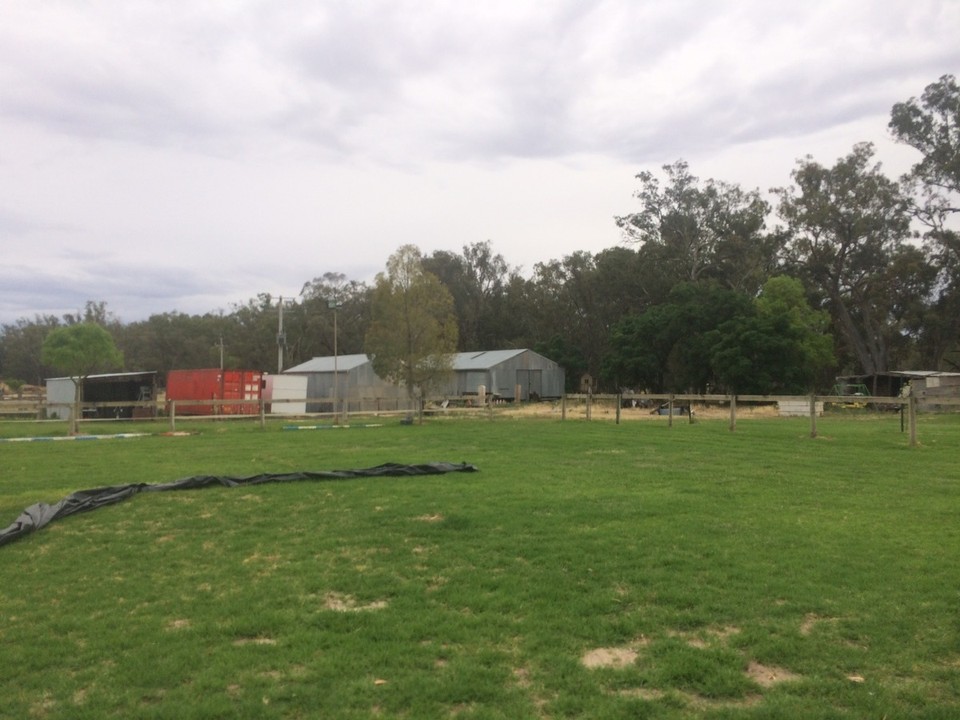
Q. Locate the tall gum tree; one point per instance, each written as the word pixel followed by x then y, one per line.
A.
pixel 413 331
pixel 690 231
pixel 847 224
pixel 931 125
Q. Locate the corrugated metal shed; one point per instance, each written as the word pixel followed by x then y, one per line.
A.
pixel 504 373
pixel 500 372
pixel 356 383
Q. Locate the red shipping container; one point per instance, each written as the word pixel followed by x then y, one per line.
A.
pixel 214 384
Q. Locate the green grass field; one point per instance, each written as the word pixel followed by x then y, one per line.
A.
pixel 589 570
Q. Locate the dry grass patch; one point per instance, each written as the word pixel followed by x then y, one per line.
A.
pixel 338 602
pixel 769 675
pixel 259 640
pixel 430 518
pixel 609 657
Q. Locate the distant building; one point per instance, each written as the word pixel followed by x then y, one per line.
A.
pixel 505 374
pixel 125 387
pixel 926 385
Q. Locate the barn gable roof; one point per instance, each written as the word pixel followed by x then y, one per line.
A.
pixel 477 360
pixel 484 359
pixel 326 364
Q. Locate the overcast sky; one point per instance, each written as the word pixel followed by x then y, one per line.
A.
pixel 185 156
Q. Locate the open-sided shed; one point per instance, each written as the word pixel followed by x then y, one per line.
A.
pixel 125 387
pixel 928 386
pixel 931 386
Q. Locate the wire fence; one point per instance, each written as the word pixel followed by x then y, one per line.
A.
pixel 671 408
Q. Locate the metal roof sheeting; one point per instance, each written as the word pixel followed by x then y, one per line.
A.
pixel 344 363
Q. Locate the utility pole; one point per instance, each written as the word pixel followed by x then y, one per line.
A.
pixel 281 337
pixel 281 340
pixel 334 305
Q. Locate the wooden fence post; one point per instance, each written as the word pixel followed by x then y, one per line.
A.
pixel 813 416
pixel 733 413
pixel 912 413
pixel 589 405
pixel 619 403
pixel 563 406
pixel 670 411
pixel 263 414
pixel 173 416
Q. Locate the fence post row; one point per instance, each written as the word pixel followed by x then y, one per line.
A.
pixel 909 407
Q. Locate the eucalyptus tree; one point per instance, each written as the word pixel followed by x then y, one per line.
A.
pixel 321 298
pixel 179 341
pixel 477 279
pixel 21 346
pixel 690 231
pixel 848 225
pixel 931 125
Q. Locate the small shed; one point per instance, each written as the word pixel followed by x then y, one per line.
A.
pixel 357 385
pixel 926 385
pixel 126 387
pixel 509 374
pixel 929 386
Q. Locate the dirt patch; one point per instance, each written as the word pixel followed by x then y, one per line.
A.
pixel 609 657
pixel 642 693
pixel 347 603
pixel 607 410
pixel 769 675
pixel 430 518
pixel 254 641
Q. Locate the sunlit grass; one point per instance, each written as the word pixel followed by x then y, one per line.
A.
pixel 588 570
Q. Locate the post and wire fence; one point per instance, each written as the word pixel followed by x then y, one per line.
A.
pixel 570 407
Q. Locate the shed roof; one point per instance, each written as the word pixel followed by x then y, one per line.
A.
pixel 483 359
pixel 107 377
pixel 326 364
pixel 477 360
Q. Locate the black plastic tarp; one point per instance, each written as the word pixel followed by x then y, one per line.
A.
pixel 40 514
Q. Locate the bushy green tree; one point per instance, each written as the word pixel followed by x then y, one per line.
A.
pixel 667 348
pixel 80 350
pixel 781 347
pixel 413 333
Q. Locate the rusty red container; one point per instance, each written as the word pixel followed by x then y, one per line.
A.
pixel 213 384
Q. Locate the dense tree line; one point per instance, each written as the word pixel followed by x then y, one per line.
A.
pixel 843 270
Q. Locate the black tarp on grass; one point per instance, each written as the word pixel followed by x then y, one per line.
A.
pixel 40 514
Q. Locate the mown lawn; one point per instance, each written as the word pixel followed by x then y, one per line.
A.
pixel 589 570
